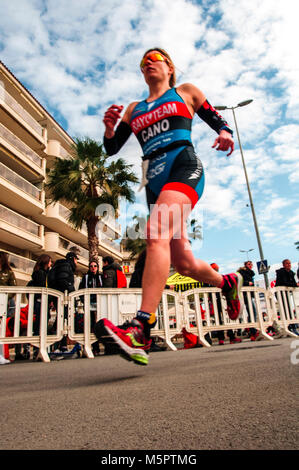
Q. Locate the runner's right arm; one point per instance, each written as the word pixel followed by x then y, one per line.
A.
pixel 115 139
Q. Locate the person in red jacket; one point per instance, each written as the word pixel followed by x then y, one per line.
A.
pixel 113 275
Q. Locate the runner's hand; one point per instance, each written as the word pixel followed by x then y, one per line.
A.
pixel 111 116
pixel 225 142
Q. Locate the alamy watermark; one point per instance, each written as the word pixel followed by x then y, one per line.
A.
pixel 165 222
pixel 295 354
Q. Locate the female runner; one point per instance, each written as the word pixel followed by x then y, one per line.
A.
pixel 174 179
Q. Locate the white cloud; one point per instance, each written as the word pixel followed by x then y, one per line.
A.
pixel 78 57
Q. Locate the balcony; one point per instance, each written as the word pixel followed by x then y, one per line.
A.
pixel 20 115
pixel 16 230
pixel 22 267
pixel 18 193
pixel 57 247
pixel 55 150
pixel 55 217
pixel 28 162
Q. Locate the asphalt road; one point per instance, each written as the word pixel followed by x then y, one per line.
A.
pixel 242 396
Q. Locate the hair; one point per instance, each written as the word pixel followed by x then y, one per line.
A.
pixel 214 266
pixel 108 259
pixel 5 266
pixel 71 255
pixel 246 262
pixel 172 79
pixel 41 262
pixel 285 260
pixel 75 249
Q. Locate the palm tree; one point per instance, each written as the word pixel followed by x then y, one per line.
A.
pixel 196 232
pixel 132 241
pixel 86 181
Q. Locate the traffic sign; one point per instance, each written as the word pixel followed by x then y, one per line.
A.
pixel 262 266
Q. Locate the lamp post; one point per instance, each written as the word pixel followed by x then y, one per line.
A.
pixel 247 251
pixel 220 108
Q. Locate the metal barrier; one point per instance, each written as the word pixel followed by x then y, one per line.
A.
pixel 23 318
pixel 205 311
pixel 285 307
pixel 200 311
pixel 118 305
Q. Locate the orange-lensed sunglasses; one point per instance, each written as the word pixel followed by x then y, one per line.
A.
pixel 154 57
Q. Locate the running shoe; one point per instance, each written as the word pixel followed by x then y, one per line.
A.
pixel 129 338
pixel 232 292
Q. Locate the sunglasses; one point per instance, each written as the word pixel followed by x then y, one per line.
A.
pixel 93 266
pixel 154 57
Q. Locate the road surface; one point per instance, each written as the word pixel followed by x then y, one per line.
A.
pixel 242 396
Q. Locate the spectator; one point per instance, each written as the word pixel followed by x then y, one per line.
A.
pixel 248 274
pixel 112 273
pixel 39 278
pixel 61 277
pixel 286 277
pixel 92 279
pixel 136 279
pixel 7 278
pixel 220 334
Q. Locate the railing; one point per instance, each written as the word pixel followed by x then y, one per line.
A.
pixel 10 101
pixel 203 309
pixel 20 146
pixel 20 263
pixel 19 221
pixel 20 182
pixel 66 245
pixel 22 329
pixel 63 212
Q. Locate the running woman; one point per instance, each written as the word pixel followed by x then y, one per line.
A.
pixel 174 178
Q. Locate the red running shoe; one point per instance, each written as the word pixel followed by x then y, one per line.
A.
pixel 232 292
pixel 129 338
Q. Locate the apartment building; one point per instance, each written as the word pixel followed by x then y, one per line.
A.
pixel 30 140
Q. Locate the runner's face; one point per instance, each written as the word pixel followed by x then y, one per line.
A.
pixel 155 65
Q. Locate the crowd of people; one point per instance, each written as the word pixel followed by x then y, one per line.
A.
pixel 61 276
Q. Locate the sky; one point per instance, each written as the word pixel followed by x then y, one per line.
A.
pixel 77 58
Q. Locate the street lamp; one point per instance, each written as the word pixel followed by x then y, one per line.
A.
pixel 221 108
pixel 247 251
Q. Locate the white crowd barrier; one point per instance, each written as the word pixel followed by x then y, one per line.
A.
pixel 285 307
pixel 23 317
pixel 199 311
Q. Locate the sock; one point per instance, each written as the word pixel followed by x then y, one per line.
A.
pixel 148 321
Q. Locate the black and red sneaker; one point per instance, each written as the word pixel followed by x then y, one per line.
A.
pixel 232 292
pixel 129 339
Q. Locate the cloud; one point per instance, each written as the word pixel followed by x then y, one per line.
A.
pixel 77 58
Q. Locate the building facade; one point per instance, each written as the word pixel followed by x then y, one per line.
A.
pixel 30 140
